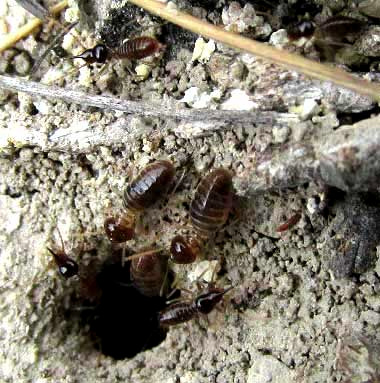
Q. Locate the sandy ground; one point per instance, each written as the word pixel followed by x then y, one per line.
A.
pixel 306 304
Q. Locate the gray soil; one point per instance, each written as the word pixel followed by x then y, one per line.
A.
pixel 306 303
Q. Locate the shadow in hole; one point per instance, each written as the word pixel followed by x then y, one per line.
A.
pixel 125 321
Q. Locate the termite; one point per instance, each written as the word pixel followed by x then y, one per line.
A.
pixel 290 222
pixel 147 188
pixel 181 312
pixel 148 272
pixel 134 49
pixel 67 267
pixel 209 211
pixel 338 29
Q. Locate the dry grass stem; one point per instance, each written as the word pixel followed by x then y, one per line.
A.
pixel 9 40
pixel 142 108
pixel 264 51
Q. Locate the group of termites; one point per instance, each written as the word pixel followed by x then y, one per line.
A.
pixel 209 208
pixel 209 211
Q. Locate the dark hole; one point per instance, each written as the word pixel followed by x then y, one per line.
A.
pixel 124 322
pixel 334 195
pixel 33 110
pixel 351 118
pixel 371 199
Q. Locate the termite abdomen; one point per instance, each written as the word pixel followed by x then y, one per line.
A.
pixel 148 274
pixel 209 211
pixel 67 267
pixel 182 312
pixel 138 48
pixel 149 186
pixel 339 29
pixel 177 313
pixel 293 220
pixel 212 202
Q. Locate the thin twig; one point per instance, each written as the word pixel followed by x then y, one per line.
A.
pixel 9 40
pixel 53 43
pixel 139 107
pixel 289 60
pixel 35 8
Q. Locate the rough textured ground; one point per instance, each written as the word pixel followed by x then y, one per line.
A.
pixel 306 304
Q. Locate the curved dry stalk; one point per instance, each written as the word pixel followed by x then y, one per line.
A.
pixel 264 51
pixel 143 108
pixel 9 40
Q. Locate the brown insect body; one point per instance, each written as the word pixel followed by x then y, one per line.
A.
pixel 209 211
pixel 138 48
pixel 133 49
pixel 67 267
pixel 148 274
pixel 212 202
pixel 289 223
pixel 177 313
pixel 147 188
pixel 339 29
pixel 181 312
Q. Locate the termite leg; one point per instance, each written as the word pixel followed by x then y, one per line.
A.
pixel 165 280
pixel 178 183
pixel 61 239
pixel 143 253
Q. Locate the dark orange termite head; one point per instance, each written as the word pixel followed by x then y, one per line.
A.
pixel 206 302
pixel 67 267
pixel 182 250
pixel 118 229
pixel 98 54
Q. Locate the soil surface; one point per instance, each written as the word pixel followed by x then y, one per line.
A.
pixel 300 247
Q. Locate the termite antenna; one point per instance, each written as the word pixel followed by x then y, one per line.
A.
pixel 144 253
pixel 53 43
pixel 61 239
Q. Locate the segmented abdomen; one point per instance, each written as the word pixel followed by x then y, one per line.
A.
pixel 212 202
pixel 138 48
pixel 149 186
pixel 148 274
pixel 177 313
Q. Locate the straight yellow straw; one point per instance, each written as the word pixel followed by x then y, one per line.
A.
pixel 12 38
pixel 289 60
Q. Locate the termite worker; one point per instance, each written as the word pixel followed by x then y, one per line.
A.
pixel 293 220
pixel 337 32
pixel 147 188
pixel 209 211
pixel 134 49
pixel 148 271
pixel 67 267
pixel 181 312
